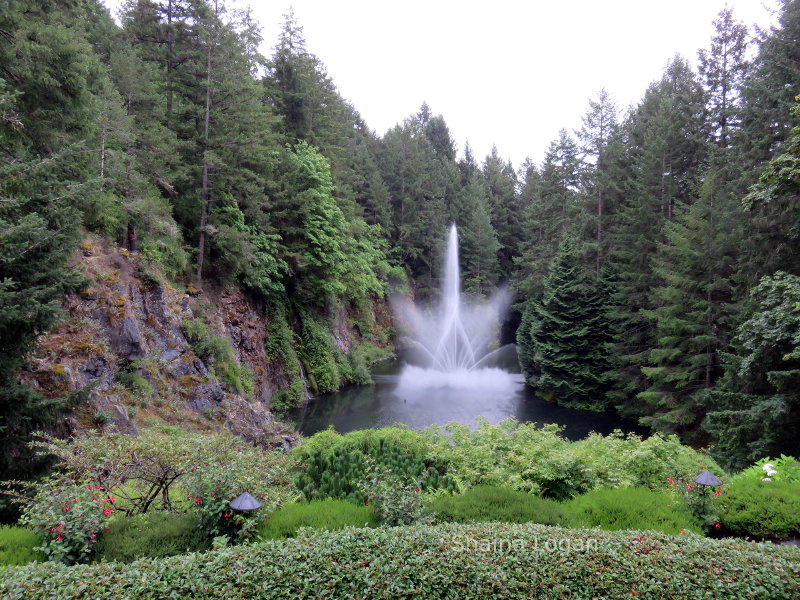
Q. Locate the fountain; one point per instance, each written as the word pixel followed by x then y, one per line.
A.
pixel 453 344
pixel 453 373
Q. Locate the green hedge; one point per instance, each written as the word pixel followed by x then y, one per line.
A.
pixel 17 546
pixel 448 561
pixel 318 514
pixel 757 508
pixel 632 508
pixel 487 503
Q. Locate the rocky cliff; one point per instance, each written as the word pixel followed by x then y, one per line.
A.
pixel 147 352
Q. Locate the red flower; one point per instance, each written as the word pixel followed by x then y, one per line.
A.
pixel 717 525
pixel 197 499
pixel 108 511
pixel 670 479
pixel 690 487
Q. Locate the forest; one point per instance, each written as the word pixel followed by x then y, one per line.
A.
pixel 654 253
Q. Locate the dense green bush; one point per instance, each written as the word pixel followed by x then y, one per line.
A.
pixel 152 535
pixel 530 458
pixel 758 508
pixel 279 346
pixel 784 468
pixel 319 356
pixel 18 546
pixel 632 508
pixel 318 514
pixel 488 503
pixel 488 560
pixel 335 473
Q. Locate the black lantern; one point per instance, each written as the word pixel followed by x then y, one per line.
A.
pixel 708 478
pixel 245 502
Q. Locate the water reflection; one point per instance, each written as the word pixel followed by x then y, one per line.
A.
pixel 412 400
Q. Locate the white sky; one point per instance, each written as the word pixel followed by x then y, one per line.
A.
pixel 506 72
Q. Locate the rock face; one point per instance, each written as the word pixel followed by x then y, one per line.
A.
pixel 123 343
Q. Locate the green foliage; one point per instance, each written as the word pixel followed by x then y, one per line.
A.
pixel 757 508
pixel 567 332
pixel 521 456
pixel 218 352
pixel 68 516
pixel 280 345
pixel 152 535
pixel 335 468
pixel 393 500
pixel 785 468
pixel 18 546
pixel 319 355
pixel 479 561
pixel 756 410
pixel 494 503
pixel 328 514
pixel 632 508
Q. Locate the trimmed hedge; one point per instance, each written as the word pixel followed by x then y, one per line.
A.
pixel 317 514
pixel 486 503
pixel 17 546
pixel 632 508
pixel 758 508
pixel 448 561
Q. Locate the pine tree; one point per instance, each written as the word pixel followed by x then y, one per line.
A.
pixel 479 245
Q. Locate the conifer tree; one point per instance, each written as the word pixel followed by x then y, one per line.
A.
pixel 565 333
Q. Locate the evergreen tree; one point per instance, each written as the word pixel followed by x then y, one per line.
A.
pixel 723 68
pixel 478 239
pixel 693 308
pixel 506 214
pixel 565 333
pixel 756 410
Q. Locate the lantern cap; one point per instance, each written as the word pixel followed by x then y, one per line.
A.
pixel 245 502
pixel 707 478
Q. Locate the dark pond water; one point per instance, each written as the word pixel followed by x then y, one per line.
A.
pixel 405 394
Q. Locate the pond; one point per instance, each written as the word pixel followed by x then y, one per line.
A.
pixel 398 394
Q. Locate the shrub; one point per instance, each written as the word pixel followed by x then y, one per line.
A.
pixel 482 561
pixel 785 468
pixel 632 508
pixel 760 508
pixel 318 514
pixel 68 516
pixel 488 503
pixel 335 473
pixel 152 535
pixel 393 501
pixel 18 546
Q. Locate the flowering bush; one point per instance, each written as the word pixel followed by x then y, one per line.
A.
pixel 392 501
pixel 68 516
pixel 784 468
pixel 213 482
pixel 699 501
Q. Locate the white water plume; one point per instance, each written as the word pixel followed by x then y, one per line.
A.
pixel 456 339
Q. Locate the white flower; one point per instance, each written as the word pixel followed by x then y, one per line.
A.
pixel 766 479
pixel 767 466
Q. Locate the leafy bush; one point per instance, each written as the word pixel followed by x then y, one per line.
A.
pixel 335 473
pixel 760 508
pixel 152 535
pixel 393 501
pixel 68 516
pixel 785 468
pixel 18 546
pixel 632 508
pixel 318 355
pixel 489 503
pixel 318 514
pixel 488 560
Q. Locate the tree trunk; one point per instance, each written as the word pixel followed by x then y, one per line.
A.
pixel 206 195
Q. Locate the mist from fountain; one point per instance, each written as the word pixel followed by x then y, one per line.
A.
pixel 456 340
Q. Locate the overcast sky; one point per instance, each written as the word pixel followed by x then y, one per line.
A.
pixel 509 73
